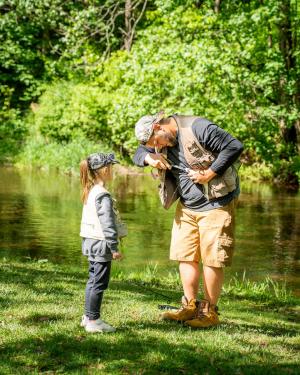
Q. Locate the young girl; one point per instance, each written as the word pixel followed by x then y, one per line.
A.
pixel 99 235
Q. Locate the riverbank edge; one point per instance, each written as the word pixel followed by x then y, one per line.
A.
pixel 35 153
pixel 251 173
pixel 42 306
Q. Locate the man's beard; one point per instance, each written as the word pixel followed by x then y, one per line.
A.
pixel 172 140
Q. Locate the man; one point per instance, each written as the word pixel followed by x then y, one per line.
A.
pixel 199 157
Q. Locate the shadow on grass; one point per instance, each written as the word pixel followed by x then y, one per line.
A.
pixel 225 326
pixel 5 302
pixel 129 354
pixel 149 292
pixel 261 328
pixel 46 280
pixel 139 346
pixel 28 275
pixel 287 313
pixel 255 305
pixel 36 318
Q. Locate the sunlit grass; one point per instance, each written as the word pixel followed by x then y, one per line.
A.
pixel 41 306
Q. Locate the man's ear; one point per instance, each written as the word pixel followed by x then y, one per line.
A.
pixel 156 126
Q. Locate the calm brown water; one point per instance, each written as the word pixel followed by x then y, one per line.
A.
pixel 40 216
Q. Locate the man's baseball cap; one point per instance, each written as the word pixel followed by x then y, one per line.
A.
pixel 144 127
pixel 99 160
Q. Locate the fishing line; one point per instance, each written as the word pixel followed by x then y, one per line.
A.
pixel 148 289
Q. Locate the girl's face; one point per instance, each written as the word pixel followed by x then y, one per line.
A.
pixel 105 174
pixel 109 172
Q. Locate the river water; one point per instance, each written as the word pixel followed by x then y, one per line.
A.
pixel 40 219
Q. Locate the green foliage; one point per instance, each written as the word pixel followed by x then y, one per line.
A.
pixel 28 31
pixel 287 171
pixel 230 67
pixel 68 111
pixel 62 156
pixel 12 133
pixel 12 128
pixel 256 172
pixel 43 40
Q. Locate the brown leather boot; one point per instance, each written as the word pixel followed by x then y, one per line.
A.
pixel 187 311
pixel 207 316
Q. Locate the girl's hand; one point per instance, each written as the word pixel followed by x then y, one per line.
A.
pixel 117 256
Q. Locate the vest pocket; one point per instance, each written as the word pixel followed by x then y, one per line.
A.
pixel 230 177
pixel 221 185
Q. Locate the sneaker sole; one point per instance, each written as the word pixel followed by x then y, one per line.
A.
pixel 99 331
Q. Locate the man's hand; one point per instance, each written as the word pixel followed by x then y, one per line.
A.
pixel 117 256
pixel 157 161
pixel 201 177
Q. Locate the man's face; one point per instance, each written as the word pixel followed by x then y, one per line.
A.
pixel 161 138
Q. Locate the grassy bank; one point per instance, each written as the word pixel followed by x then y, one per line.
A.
pixel 66 158
pixel 41 306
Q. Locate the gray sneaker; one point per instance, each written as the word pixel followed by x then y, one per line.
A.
pixel 84 321
pixel 99 326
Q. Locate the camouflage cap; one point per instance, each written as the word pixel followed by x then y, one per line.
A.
pixel 144 127
pixel 99 160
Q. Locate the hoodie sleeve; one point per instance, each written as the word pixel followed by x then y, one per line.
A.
pixel 140 154
pixel 107 218
pixel 220 142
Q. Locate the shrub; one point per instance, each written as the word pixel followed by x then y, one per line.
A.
pixel 68 110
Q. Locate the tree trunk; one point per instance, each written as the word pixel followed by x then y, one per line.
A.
pixel 217 6
pixel 133 13
pixel 287 44
pixel 128 25
pixel 286 37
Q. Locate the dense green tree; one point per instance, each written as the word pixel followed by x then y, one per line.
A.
pixel 42 41
pixel 96 66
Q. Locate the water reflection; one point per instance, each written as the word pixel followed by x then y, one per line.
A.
pixel 40 216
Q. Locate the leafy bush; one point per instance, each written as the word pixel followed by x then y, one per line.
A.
pixel 62 156
pixel 68 111
pixel 12 128
pixel 12 133
pixel 190 60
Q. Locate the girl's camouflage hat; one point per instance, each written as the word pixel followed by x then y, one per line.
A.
pixel 144 127
pixel 99 160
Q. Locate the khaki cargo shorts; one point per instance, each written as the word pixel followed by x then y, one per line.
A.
pixel 207 236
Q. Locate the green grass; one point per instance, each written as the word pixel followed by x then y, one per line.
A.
pixel 41 307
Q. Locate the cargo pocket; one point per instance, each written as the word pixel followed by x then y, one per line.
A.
pixel 230 177
pixel 225 248
pixel 226 241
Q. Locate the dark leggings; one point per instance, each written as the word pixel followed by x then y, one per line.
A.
pixel 97 283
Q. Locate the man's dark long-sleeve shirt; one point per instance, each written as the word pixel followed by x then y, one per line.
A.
pixel 212 138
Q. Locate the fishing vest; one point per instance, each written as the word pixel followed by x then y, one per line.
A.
pixel 90 223
pixel 198 158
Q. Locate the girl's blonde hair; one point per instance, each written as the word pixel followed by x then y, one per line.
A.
pixel 88 177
